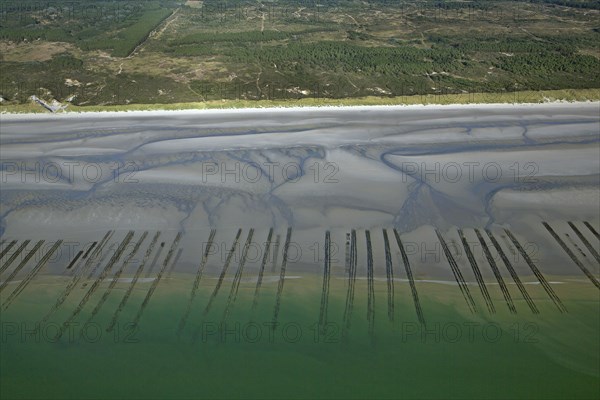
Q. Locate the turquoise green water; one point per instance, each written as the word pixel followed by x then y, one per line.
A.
pixel 460 355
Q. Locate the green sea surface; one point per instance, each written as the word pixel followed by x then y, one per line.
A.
pixel 317 346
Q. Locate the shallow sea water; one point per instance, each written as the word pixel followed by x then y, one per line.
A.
pixel 456 354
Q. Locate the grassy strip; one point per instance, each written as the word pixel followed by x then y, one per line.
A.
pixel 442 99
pixel 128 39
pixel 137 33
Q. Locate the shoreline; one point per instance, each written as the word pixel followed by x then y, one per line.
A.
pixel 282 109
pixel 560 97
